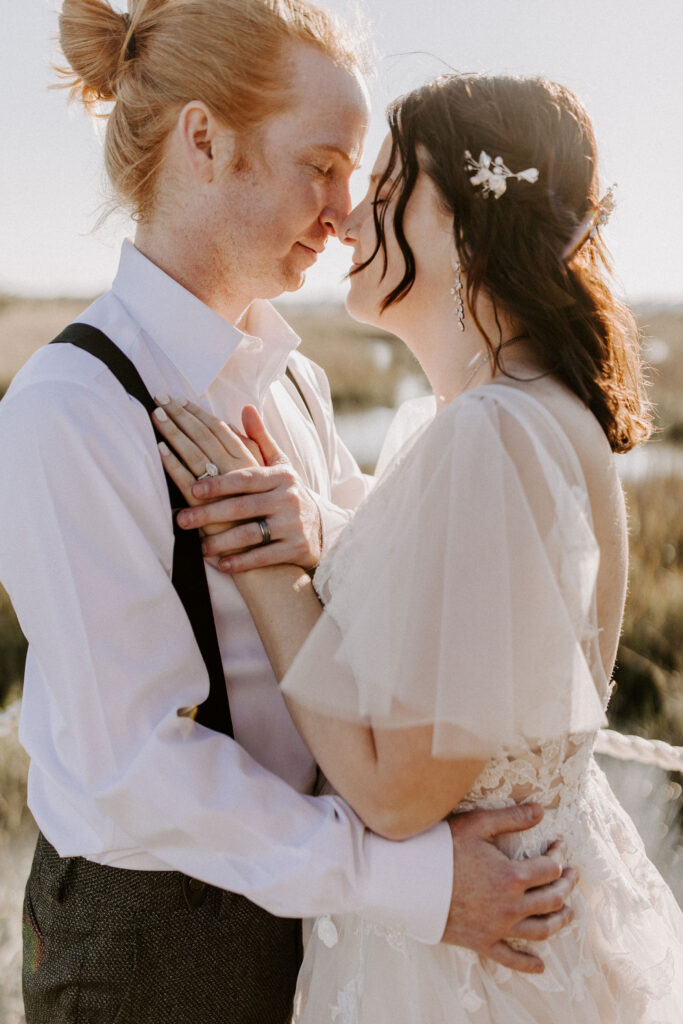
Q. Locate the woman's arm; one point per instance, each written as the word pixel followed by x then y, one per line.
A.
pixel 388 776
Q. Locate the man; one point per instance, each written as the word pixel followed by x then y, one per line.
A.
pixel 162 840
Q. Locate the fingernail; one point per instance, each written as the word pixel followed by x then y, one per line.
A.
pixel 200 490
pixel 224 565
pixel 163 448
pixel 182 401
pixel 183 518
pixel 160 415
pixel 162 399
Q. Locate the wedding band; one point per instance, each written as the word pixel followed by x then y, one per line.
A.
pixel 265 532
pixel 211 470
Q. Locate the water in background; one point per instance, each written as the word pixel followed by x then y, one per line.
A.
pixel 363 432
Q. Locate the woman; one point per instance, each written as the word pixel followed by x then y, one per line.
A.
pixel 473 607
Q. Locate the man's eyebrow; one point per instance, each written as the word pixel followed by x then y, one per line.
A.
pixel 324 147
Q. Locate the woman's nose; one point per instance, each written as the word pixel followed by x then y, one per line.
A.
pixel 349 229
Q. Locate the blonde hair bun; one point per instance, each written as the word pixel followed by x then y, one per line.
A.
pixel 94 39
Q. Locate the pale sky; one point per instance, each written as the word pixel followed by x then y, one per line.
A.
pixel 623 58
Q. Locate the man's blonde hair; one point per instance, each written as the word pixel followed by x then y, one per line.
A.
pixel 230 54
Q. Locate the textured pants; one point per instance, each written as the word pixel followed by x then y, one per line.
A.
pixel 106 945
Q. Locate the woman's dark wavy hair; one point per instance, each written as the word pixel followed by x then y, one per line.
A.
pixel 511 247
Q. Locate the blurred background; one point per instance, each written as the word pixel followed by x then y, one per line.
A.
pixel 623 59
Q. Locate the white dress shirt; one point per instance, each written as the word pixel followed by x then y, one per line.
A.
pixel 86 550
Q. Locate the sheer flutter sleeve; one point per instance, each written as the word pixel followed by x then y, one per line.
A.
pixel 462 596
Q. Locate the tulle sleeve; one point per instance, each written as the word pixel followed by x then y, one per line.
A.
pixel 463 594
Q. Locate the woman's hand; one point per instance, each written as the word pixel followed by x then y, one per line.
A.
pixel 256 482
pixel 200 438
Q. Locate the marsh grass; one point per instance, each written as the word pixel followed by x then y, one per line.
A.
pixel 649 672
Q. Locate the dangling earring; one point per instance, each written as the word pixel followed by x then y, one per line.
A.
pixel 456 292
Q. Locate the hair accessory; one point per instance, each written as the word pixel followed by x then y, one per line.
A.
pixel 492 174
pixel 456 292
pixel 596 217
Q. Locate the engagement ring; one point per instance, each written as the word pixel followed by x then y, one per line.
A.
pixel 211 470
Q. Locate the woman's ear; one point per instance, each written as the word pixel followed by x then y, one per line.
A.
pixel 206 145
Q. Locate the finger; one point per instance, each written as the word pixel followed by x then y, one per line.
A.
pixel 543 869
pixel 245 506
pixel 194 457
pixel 214 438
pixel 257 558
pixel 233 540
pixel 549 898
pixel 515 959
pixel 488 824
pixel 255 429
pixel 232 510
pixel 537 929
pixel 225 433
pixel 177 472
pixel 255 479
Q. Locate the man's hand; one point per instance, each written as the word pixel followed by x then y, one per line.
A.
pixel 495 898
pixel 272 492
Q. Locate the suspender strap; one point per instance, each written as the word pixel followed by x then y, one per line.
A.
pixel 302 396
pixel 189 575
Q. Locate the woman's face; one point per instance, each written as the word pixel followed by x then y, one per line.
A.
pixel 429 231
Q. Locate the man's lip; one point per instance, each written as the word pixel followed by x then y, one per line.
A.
pixel 311 248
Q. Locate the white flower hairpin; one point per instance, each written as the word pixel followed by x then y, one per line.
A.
pixel 492 174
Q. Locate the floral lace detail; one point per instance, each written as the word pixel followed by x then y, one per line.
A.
pixel 396 938
pixel 327 932
pixel 345 1010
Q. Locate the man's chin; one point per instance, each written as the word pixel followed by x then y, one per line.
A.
pixel 294 281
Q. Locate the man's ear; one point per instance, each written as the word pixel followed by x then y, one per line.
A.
pixel 207 145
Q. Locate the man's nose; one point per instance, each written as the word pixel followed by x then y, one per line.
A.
pixel 335 213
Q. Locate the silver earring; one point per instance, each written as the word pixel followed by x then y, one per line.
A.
pixel 456 292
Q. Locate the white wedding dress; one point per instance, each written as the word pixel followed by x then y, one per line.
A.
pixel 463 594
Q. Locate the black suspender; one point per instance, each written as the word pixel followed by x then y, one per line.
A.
pixel 302 396
pixel 189 575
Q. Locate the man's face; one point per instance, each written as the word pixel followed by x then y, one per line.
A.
pixel 277 213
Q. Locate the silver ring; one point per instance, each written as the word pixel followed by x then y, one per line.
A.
pixel 265 532
pixel 211 470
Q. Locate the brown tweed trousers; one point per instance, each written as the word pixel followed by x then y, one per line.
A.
pixel 106 945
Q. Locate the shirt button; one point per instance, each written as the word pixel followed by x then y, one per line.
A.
pixel 194 892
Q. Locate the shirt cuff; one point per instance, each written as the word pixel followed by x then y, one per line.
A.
pixel 333 520
pixel 410 883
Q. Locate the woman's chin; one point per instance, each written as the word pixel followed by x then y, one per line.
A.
pixel 361 311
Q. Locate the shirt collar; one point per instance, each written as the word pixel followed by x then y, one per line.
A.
pixel 197 340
